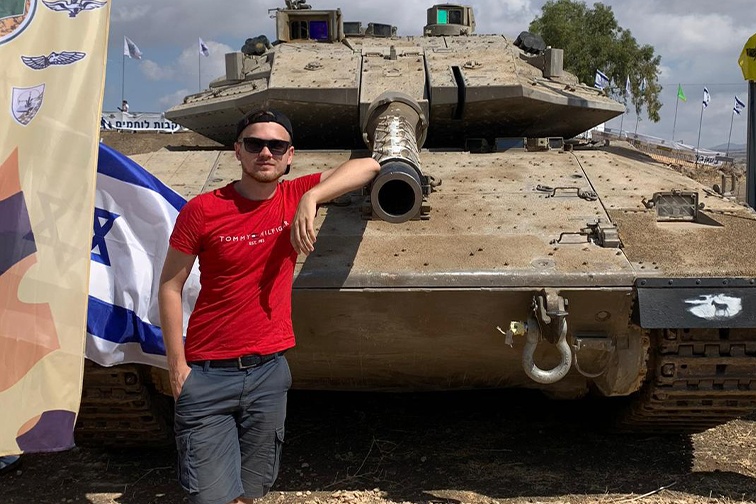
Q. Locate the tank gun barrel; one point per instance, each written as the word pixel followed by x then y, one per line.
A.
pixel 394 129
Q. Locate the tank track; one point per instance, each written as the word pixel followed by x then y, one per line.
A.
pixel 121 408
pixel 700 378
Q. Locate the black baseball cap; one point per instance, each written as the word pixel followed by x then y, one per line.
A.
pixel 264 115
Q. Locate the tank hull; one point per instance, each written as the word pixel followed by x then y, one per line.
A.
pixel 419 305
pixel 382 306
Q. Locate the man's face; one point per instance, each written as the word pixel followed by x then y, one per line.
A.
pixel 263 166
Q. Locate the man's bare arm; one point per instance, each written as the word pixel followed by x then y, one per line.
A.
pixel 351 175
pixel 176 270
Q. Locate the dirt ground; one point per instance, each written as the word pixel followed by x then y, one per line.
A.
pixel 142 142
pixel 463 447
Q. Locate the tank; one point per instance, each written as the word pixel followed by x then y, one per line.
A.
pixel 493 250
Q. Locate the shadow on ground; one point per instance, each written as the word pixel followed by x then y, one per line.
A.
pixel 413 447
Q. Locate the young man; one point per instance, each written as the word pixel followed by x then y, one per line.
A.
pixel 230 378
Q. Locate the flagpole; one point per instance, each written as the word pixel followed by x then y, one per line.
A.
pixel 674 124
pixel 123 77
pixel 751 146
pixel 698 143
pixel 727 153
pixel 199 71
pixel 622 121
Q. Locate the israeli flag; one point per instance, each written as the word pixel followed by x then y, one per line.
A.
pixel 600 81
pixel 134 216
pixel 130 49
pixel 706 98
pixel 739 105
pixel 203 49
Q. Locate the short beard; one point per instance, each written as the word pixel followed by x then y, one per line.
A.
pixel 264 177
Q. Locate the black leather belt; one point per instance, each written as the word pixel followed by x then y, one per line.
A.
pixel 243 362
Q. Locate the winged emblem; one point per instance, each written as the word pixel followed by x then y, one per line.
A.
pixel 73 7
pixel 62 58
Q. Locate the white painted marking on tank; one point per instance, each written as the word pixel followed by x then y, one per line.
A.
pixel 715 306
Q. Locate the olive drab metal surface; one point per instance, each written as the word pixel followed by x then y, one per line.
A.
pixel 493 249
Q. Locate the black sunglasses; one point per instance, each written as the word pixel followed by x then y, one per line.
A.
pixel 255 145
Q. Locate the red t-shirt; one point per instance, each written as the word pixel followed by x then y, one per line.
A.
pixel 246 270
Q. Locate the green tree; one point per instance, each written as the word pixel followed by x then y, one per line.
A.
pixel 592 39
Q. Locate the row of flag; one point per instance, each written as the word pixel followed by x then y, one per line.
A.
pixel 601 81
pixel 737 108
pixel 131 50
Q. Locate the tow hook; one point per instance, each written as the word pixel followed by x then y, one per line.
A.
pixel 532 338
pixel 549 309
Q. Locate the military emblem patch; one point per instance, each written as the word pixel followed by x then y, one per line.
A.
pixel 73 7
pixel 27 102
pixel 61 58
pixel 15 16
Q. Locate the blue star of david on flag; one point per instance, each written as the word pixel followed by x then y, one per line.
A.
pixel 103 223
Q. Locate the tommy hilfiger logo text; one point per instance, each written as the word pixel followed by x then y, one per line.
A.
pixel 255 238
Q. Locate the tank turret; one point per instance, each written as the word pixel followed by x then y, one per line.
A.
pixel 324 73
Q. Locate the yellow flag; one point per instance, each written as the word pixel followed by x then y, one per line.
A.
pixel 747 60
pixel 52 76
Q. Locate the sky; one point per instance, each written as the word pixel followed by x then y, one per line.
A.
pixel 699 42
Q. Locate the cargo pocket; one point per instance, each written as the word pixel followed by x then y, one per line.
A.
pixel 187 473
pixel 276 462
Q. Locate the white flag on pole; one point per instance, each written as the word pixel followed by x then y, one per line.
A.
pixel 203 49
pixel 130 49
pixel 739 105
pixel 134 216
pixel 706 98
pixel 627 86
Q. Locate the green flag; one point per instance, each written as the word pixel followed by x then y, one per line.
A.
pixel 680 93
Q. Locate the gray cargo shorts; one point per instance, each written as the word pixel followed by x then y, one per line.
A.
pixel 229 425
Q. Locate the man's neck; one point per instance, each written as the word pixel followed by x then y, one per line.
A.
pixel 251 189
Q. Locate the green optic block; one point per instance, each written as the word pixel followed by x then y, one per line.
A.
pixel 443 17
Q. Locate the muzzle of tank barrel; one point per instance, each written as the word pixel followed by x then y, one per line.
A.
pixel 396 194
pixel 394 129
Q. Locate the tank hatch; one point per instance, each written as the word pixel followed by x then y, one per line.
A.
pixel 449 19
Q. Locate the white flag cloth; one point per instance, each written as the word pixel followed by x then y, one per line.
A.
pixel 600 81
pixel 130 49
pixel 203 49
pixel 134 216
pixel 706 98
pixel 627 86
pixel 739 105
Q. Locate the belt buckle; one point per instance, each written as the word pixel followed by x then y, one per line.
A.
pixel 256 360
